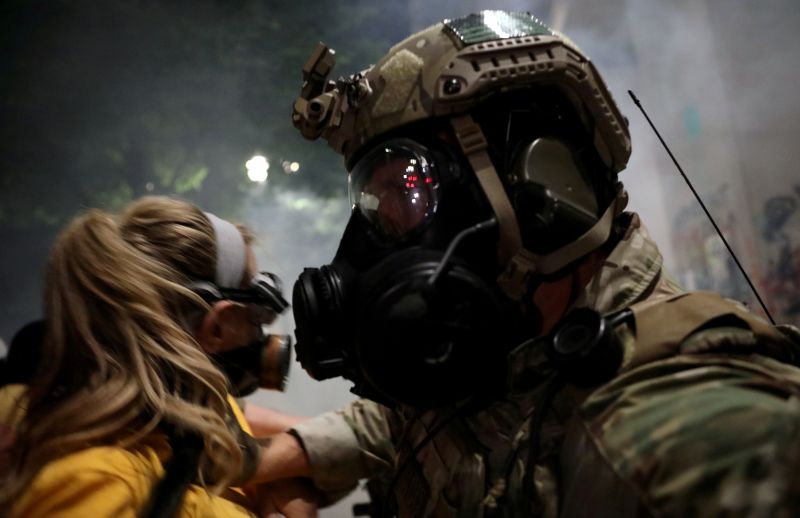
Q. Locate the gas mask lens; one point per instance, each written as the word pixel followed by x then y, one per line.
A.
pixel 395 188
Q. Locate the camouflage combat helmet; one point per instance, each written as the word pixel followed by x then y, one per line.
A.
pixel 445 71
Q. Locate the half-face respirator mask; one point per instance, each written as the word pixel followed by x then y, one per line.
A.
pixel 264 362
pixel 405 310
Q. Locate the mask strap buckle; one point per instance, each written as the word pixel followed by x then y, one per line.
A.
pixel 515 278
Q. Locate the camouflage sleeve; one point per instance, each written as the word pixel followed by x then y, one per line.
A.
pixel 348 445
pixel 699 435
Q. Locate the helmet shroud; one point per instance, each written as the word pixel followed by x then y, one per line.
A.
pixel 448 69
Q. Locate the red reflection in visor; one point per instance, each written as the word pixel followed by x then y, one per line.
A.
pixel 396 197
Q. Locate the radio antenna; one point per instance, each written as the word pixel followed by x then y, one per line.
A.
pixel 700 201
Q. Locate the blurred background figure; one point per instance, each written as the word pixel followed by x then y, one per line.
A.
pixel 102 103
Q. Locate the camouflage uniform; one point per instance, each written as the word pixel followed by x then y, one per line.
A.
pixel 699 425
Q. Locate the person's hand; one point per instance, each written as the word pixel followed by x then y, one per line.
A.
pixel 292 498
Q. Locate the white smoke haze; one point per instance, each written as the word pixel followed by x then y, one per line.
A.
pixel 718 78
pixel 297 230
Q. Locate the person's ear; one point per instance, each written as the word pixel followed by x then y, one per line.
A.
pixel 226 326
pixel 210 333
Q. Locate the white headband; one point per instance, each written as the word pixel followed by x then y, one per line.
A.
pixel 231 252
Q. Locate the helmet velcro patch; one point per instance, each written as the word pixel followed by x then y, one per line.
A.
pixel 495 25
pixel 399 75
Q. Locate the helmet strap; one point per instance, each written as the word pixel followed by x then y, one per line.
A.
pixel 473 145
pixel 524 263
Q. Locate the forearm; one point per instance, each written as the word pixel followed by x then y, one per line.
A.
pixel 335 449
pixel 264 421
pixel 282 456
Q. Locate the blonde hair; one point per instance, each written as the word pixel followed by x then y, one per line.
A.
pixel 119 358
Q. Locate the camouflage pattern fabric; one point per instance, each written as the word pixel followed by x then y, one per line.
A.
pixel 708 428
pixel 711 435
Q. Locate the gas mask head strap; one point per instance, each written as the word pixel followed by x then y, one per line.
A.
pixel 231 252
pixel 473 144
pixel 520 264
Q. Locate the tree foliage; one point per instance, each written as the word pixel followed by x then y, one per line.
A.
pixel 106 101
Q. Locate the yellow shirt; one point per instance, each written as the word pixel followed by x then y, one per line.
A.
pixel 114 482
pixel 10 405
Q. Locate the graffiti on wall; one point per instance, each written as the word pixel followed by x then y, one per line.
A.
pixel 703 260
pixel 781 234
pixel 704 263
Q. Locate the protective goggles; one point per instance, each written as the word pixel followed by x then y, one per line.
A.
pixel 395 187
pixel 263 297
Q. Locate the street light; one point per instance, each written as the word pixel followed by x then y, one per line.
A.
pixel 290 167
pixel 257 168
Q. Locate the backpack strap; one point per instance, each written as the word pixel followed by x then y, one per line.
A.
pixel 166 497
pixel 181 469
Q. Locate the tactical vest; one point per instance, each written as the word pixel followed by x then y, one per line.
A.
pixel 479 464
pixel 701 322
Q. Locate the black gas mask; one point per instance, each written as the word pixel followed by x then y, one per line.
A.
pixel 408 310
pixel 265 361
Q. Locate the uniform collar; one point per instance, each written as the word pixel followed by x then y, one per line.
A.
pixel 628 274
